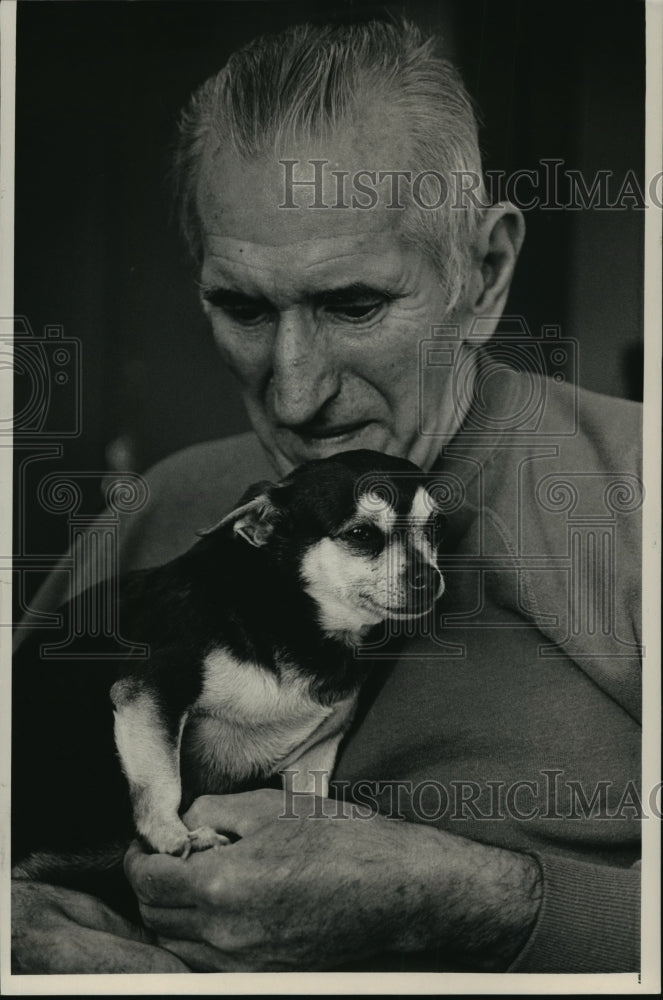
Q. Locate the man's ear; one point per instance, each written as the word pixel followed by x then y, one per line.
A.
pixel 253 520
pixel 496 250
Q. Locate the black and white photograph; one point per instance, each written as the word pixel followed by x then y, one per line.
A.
pixel 330 444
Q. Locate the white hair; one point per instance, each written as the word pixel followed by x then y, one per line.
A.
pixel 309 80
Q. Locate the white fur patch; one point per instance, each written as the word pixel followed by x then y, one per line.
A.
pixel 423 506
pixel 339 582
pixel 247 721
pixel 378 510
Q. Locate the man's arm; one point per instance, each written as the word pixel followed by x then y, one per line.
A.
pixel 322 893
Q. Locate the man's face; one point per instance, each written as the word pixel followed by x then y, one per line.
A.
pixel 320 312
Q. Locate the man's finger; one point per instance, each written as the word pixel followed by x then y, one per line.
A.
pixel 245 813
pixel 173 922
pixel 162 880
pixel 241 814
pixel 201 957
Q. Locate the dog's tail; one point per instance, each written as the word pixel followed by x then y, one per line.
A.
pixel 49 866
pixel 95 871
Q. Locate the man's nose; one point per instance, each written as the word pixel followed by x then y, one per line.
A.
pixel 304 375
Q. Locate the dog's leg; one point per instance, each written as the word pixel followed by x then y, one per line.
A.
pixel 149 749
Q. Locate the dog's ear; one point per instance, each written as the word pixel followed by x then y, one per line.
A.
pixel 255 517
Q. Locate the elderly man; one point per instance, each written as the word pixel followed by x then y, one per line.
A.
pixel 312 176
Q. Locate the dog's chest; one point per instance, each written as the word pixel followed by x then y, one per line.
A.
pixel 245 722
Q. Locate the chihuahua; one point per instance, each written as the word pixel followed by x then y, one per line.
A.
pixel 252 666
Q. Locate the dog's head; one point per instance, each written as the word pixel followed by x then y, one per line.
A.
pixel 358 531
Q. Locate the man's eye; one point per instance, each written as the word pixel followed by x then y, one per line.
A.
pixel 356 312
pixel 237 308
pixel 247 315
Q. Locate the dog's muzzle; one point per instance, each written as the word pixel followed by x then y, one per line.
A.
pixel 424 585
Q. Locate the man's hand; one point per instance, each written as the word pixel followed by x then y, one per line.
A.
pixel 56 930
pixel 321 893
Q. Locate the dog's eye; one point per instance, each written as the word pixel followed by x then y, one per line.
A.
pixel 364 536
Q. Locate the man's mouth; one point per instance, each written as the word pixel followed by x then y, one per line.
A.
pixel 309 442
pixel 333 433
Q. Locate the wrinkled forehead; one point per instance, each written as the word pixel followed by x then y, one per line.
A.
pixel 247 198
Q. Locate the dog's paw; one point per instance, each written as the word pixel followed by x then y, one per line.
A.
pixel 180 842
pixel 168 839
pixel 202 839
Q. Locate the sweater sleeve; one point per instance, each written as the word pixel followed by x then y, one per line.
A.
pixel 589 920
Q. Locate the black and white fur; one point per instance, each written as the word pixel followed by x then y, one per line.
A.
pixel 252 667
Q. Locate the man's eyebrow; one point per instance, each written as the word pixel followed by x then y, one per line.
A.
pixel 354 291
pixel 221 295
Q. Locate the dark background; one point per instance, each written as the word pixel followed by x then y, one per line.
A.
pixel 99 87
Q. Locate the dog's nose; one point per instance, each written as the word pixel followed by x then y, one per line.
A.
pixel 424 581
pixel 419 581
